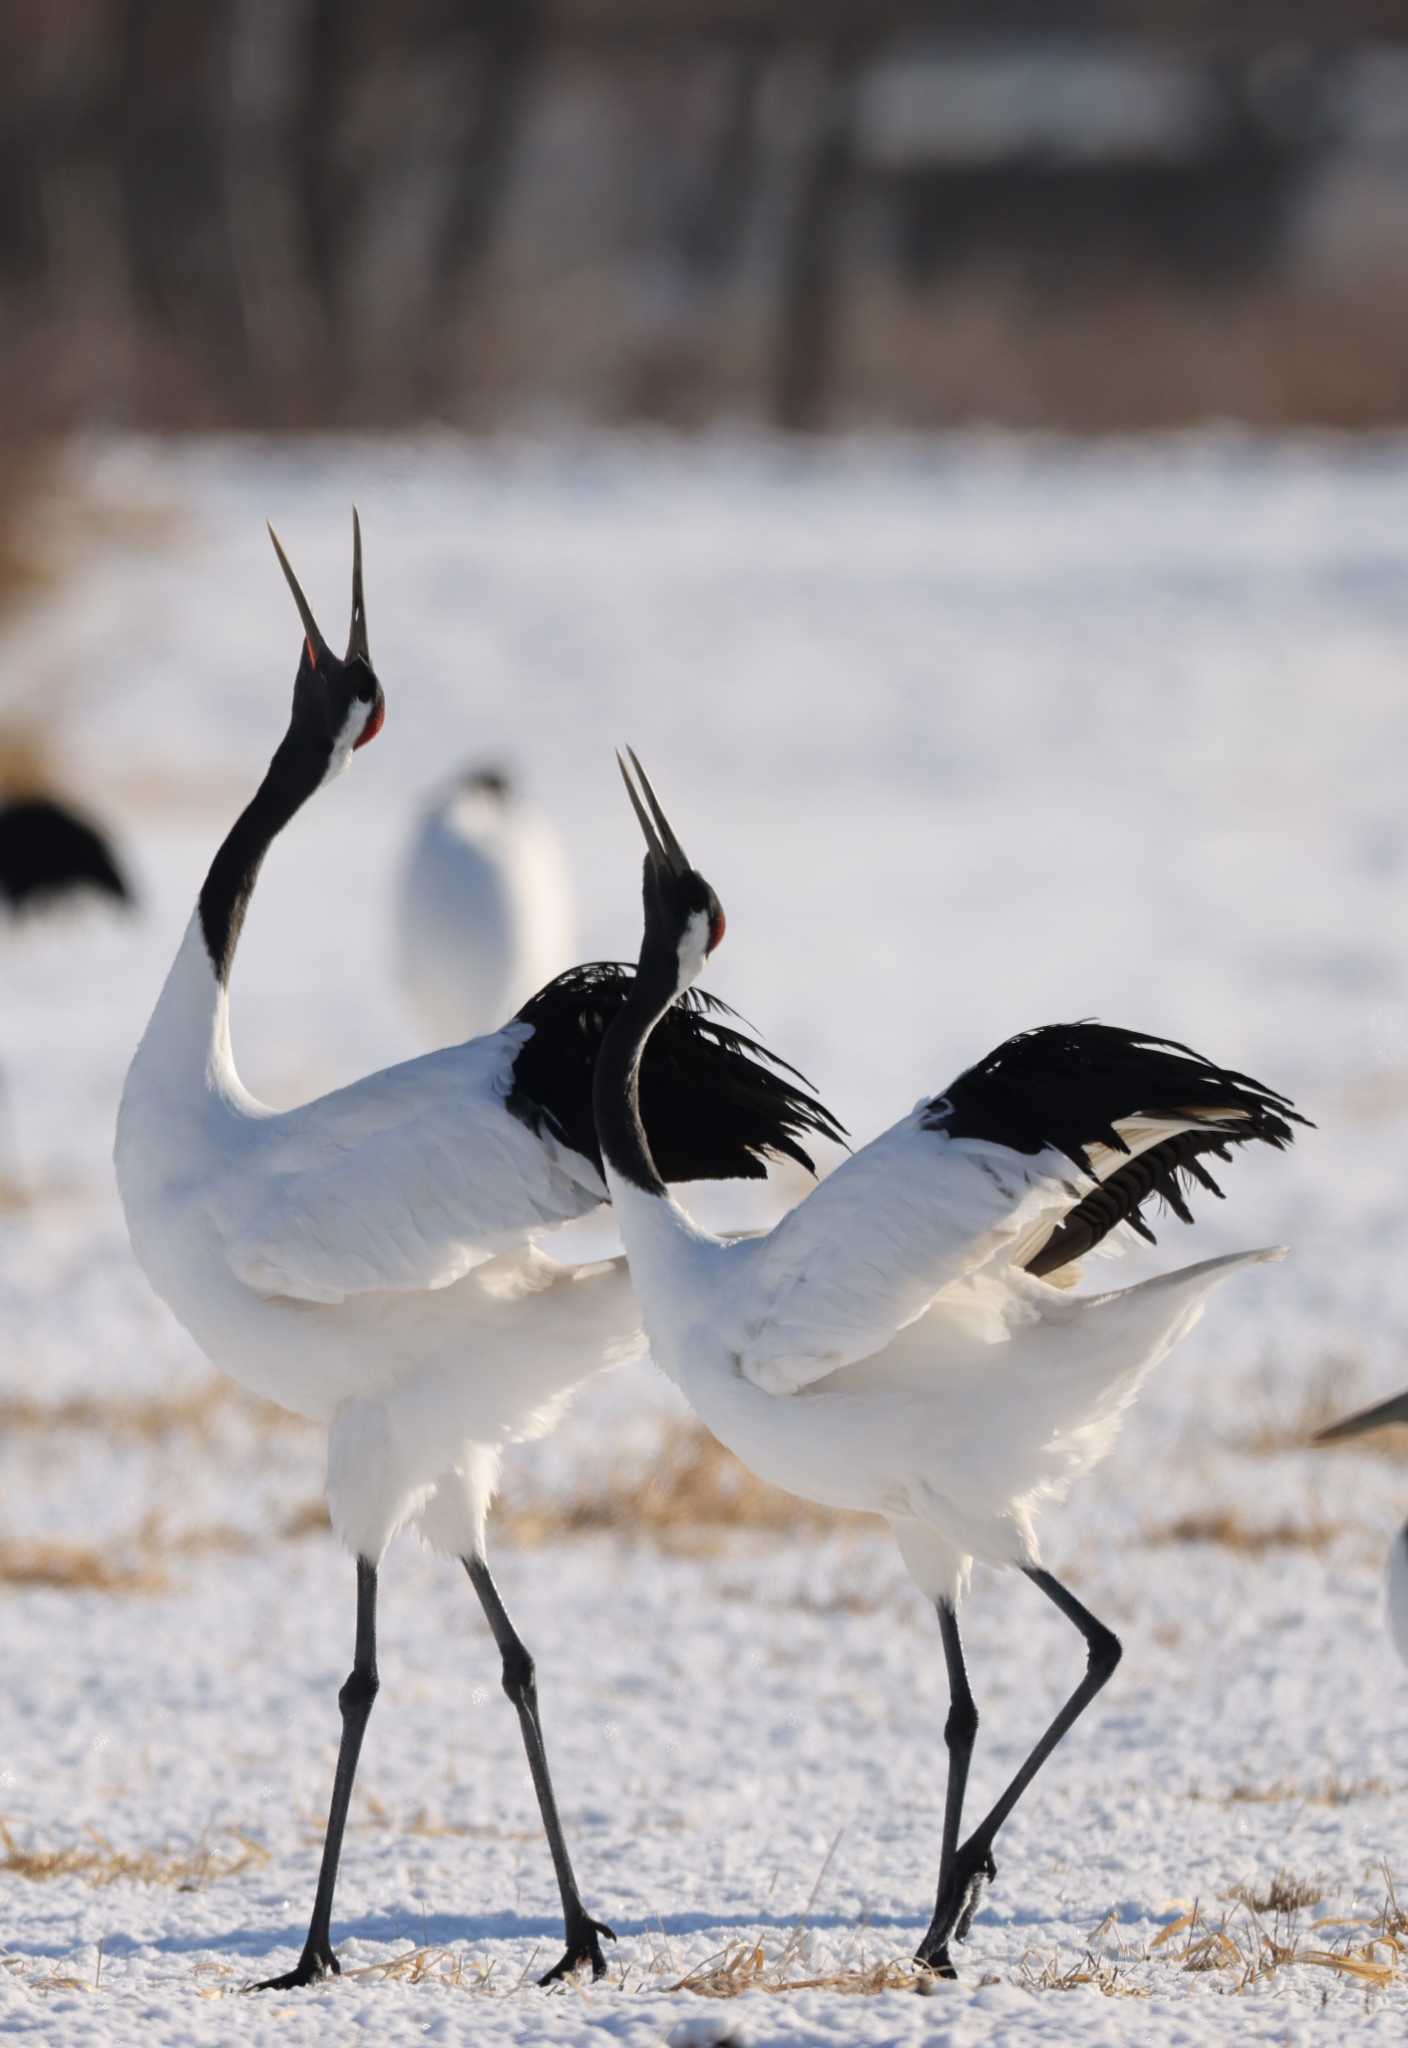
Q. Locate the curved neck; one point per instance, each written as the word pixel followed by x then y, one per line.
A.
pixel 616 1084
pixel 293 775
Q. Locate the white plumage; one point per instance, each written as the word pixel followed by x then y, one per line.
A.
pixel 484 914
pixel 960 1411
pixel 368 1260
pixel 885 1347
pixel 365 1259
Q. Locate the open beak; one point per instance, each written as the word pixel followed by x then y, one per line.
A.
pixel 665 849
pixel 316 643
pixel 1395 1409
pixel 357 648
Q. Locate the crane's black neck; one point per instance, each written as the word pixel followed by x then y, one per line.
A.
pixel 296 770
pixel 616 1083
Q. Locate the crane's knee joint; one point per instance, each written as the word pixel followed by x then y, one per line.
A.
pixel 961 1727
pixel 1103 1652
pixel 359 1689
pixel 520 1674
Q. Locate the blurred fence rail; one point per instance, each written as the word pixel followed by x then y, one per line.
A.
pixel 329 212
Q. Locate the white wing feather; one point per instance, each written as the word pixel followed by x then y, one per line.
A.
pixel 905 1217
pixel 403 1182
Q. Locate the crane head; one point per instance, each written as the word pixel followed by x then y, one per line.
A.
pixel 684 920
pixel 336 703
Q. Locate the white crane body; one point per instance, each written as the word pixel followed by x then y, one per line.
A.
pixel 991 1397
pixel 904 1340
pixel 368 1259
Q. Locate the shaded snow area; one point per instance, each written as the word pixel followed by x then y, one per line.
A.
pixel 969 736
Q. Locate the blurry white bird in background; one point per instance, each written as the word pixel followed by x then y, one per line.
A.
pixel 895 1344
pixel 368 1259
pixel 484 916
pixel 1395 1409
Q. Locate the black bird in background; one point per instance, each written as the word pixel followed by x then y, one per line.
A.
pixel 50 852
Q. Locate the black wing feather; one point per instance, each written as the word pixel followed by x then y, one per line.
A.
pixel 1066 1086
pixel 718 1105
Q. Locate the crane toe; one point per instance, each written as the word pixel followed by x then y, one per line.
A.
pixel 312 1967
pixel 973 1870
pixel 583 1946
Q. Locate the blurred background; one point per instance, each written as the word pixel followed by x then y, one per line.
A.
pixel 1087 214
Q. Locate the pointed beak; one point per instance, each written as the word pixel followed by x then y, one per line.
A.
pixel 357 647
pixel 1395 1409
pixel 316 643
pixel 664 848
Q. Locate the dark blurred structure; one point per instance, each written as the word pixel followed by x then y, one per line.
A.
pixel 358 212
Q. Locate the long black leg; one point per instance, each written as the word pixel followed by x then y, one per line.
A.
pixel 972 1862
pixel 520 1683
pixel 960 1733
pixel 358 1692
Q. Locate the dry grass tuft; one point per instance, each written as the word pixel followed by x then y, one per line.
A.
pixel 1370 1948
pixel 1332 1791
pixel 79 1568
pixel 1226 1528
pixel 694 1492
pixel 97 1862
pixel 1286 1894
pixel 149 1418
pixel 1334 1388
pixel 453 1968
pixel 311 1519
pixel 133 1563
pixel 1090 1972
pixel 746 1966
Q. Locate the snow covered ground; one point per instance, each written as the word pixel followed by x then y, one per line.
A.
pixel 969 735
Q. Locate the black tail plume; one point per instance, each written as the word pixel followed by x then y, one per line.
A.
pixel 1064 1088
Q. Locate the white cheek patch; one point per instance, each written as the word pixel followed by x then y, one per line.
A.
pixel 353 725
pixel 693 948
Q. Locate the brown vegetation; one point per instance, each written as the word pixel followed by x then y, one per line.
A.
pixel 692 1492
pixel 97 1862
pixel 1227 1528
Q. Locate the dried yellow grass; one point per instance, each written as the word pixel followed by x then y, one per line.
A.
pixel 693 1492
pixel 1335 1387
pixel 1285 1893
pixel 97 1862
pixel 453 1968
pixel 78 1568
pixel 1331 1791
pixel 1371 1951
pixel 1226 1528
pixel 150 1418
pixel 134 1562
pixel 747 1966
pixel 1091 1972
